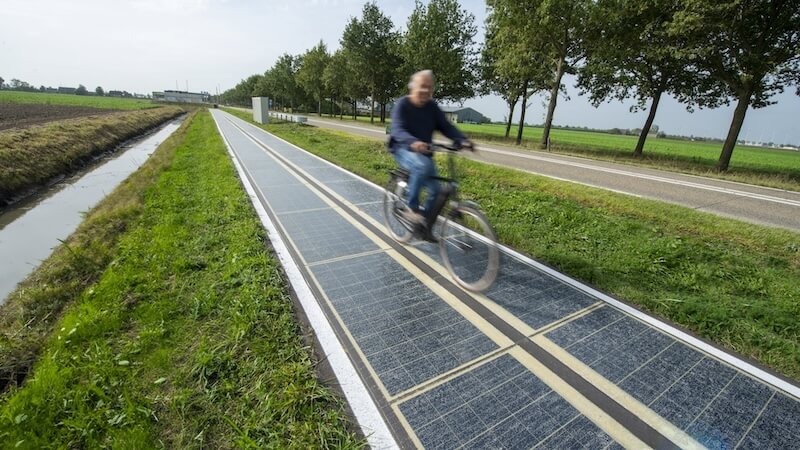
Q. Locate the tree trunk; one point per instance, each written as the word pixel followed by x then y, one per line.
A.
pixel 553 100
pixel 383 112
pixel 522 113
pixel 371 109
pixel 511 105
pixel 733 132
pixel 647 124
pixel 319 106
pixel 331 113
pixel 355 109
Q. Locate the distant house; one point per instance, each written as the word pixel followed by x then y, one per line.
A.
pixel 460 114
pixel 66 90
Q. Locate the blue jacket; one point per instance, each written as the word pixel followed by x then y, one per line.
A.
pixel 411 124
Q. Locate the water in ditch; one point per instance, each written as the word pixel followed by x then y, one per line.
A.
pixel 30 230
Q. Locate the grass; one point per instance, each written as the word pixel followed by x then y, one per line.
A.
pixel 728 281
pixel 187 338
pixel 33 156
pixel 762 166
pixel 75 100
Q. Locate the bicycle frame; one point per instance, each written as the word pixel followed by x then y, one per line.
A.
pixel 449 188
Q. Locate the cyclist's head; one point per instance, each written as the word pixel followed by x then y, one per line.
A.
pixel 420 87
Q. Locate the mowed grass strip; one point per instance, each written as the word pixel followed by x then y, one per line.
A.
pixel 33 156
pixel 777 168
pixel 188 339
pixel 75 100
pixel 731 282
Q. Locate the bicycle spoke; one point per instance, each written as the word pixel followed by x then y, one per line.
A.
pixel 469 250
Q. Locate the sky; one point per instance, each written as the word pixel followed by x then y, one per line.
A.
pixel 149 45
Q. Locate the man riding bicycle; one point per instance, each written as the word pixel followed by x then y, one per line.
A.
pixel 414 119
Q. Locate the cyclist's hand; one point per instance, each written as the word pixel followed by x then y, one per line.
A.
pixel 420 147
pixel 467 144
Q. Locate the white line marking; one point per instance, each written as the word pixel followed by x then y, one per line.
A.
pixel 682 336
pixel 627 173
pixel 365 410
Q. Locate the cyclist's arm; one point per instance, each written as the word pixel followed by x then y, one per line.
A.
pixel 447 127
pixel 399 133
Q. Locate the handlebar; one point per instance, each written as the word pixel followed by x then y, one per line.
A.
pixel 451 148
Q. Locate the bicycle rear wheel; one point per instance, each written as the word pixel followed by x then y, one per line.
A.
pixel 468 246
pixel 392 204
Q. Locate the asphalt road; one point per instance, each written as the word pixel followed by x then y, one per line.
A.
pixel 755 204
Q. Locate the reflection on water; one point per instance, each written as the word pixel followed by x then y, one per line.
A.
pixel 32 229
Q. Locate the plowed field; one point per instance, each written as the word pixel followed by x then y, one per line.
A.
pixel 16 115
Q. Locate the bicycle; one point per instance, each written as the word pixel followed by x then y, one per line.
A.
pixel 467 241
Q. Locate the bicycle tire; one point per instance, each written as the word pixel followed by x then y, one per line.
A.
pixel 391 201
pixel 468 246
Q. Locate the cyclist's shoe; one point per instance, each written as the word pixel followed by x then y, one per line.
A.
pixel 412 216
pixel 428 236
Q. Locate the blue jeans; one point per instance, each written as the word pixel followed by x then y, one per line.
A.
pixel 421 169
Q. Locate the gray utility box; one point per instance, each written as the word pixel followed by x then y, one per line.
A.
pixel 261 109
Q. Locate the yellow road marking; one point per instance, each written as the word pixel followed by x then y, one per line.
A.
pixel 666 428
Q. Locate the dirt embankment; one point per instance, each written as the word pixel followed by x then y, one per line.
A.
pixel 18 115
pixel 34 156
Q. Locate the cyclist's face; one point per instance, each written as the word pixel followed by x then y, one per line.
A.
pixel 422 90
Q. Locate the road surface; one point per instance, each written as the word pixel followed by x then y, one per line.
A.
pixel 755 204
pixel 538 361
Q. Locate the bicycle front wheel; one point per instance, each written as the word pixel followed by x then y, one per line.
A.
pixel 468 246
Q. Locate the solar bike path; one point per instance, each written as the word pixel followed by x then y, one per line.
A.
pixel 538 361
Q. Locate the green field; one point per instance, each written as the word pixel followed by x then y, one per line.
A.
pixel 767 167
pixel 166 323
pixel 75 100
pixel 728 281
pixel 701 152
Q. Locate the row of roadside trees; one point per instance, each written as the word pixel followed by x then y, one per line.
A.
pixel 373 62
pixel 704 53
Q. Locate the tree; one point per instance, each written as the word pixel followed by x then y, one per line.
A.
pixel 558 27
pixel 242 93
pixel 493 78
pixel 630 52
pixel 340 79
pixel 99 91
pixel 311 72
pixel 17 84
pixel 81 90
pixel 440 37
pixel 373 45
pixel 518 56
pixel 749 49
pixel 1 82
pixel 280 82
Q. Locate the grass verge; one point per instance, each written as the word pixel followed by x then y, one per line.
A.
pixel 753 165
pixel 186 339
pixel 75 100
pixel 728 281
pixel 34 156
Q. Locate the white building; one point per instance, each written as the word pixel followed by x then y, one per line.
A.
pixel 182 96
